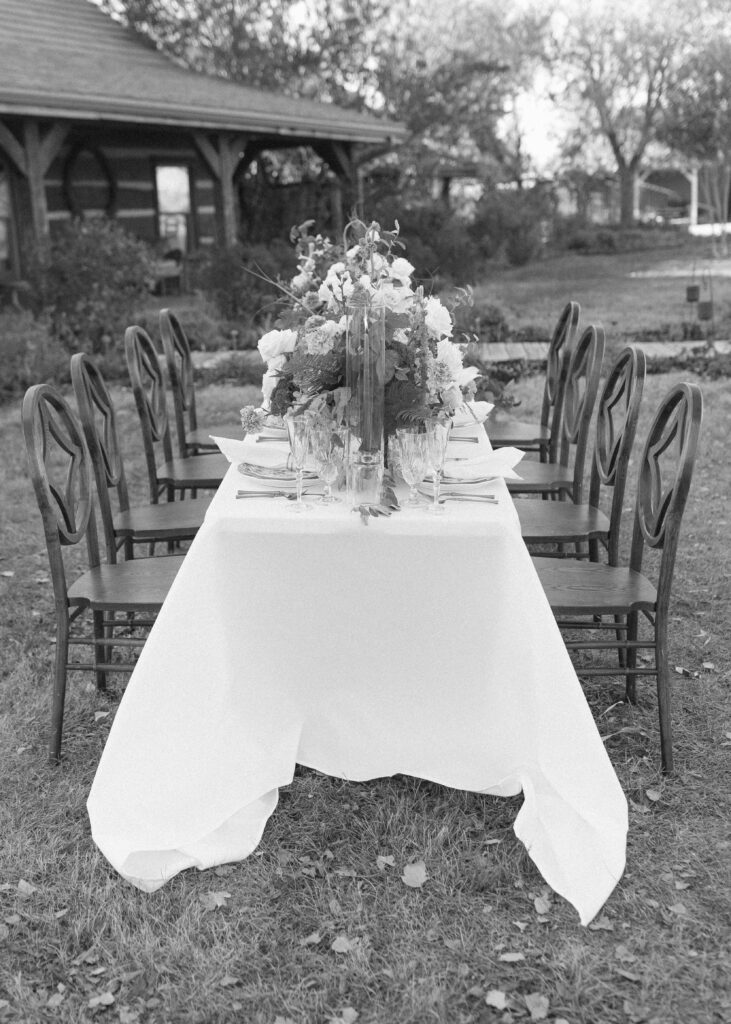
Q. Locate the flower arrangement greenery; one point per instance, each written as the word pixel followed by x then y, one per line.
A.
pixel 424 376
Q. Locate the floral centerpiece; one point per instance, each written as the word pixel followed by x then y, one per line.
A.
pixel 422 372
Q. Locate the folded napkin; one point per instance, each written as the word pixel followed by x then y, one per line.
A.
pixel 497 463
pixel 471 413
pixel 273 455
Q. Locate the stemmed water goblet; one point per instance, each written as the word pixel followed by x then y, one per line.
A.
pixel 413 461
pixel 328 451
pixel 298 433
pixel 437 435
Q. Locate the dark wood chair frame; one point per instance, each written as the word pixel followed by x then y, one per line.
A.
pixel 134 588
pixel 543 437
pixel 169 521
pixel 585 525
pixel 192 439
pixel 182 475
pixel 581 594
pixel 580 393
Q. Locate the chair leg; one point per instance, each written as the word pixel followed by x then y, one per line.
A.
pixel 632 630
pixel 664 694
pixel 59 690
pixel 621 634
pixel 101 652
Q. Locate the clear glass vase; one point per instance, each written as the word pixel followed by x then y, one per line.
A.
pixel 365 363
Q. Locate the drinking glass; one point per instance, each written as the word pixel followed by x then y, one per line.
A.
pixel 328 452
pixel 413 461
pixel 437 436
pixel 298 433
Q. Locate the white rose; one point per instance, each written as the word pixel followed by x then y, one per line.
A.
pixel 401 270
pixel 466 374
pixel 437 319
pixel 399 300
pixel 276 343
pixel 450 356
pixel 300 282
pixel 270 378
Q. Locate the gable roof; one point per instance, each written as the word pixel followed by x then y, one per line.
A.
pixel 68 59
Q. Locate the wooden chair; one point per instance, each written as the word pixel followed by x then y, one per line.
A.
pixel 62 476
pixel 169 521
pixel 198 472
pixel 543 437
pixel 581 594
pixel 559 478
pixel 192 439
pixel 562 522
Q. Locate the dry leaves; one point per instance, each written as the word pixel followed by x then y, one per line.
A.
pixel 496 999
pixel 385 862
pixel 537 1005
pixel 414 874
pixel 511 958
pixel 214 900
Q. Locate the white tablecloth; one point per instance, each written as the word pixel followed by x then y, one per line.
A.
pixel 411 645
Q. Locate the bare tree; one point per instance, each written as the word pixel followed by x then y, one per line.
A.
pixel 617 62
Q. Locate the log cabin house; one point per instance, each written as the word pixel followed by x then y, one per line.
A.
pixel 95 120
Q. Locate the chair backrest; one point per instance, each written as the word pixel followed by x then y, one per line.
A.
pixel 665 472
pixel 618 408
pixel 582 386
pixel 180 372
pixel 148 385
pixel 98 419
pixel 61 474
pixel 557 364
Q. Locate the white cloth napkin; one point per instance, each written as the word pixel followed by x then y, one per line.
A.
pixel 270 455
pixel 498 463
pixel 471 413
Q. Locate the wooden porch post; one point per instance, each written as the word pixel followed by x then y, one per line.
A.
pixel 32 157
pixel 223 158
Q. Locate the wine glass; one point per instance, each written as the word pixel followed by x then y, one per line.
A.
pixel 298 433
pixel 413 461
pixel 328 452
pixel 437 436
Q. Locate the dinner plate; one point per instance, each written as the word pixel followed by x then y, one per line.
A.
pixel 273 474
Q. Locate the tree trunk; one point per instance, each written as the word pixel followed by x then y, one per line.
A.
pixel 627 175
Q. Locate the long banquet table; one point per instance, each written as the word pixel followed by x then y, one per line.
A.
pixel 416 644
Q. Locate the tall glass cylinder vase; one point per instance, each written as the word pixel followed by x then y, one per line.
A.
pixel 365 364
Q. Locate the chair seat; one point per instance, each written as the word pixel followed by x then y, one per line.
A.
pixel 196 471
pixel 518 434
pixel 541 478
pixel 546 522
pixel 200 439
pixel 585 588
pixel 169 520
pixel 141 583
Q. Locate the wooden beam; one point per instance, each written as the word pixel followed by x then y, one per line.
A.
pixel 51 144
pixel 226 183
pixel 35 175
pixel 209 154
pixel 13 149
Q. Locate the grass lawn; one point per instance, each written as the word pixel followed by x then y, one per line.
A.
pixel 253 942
pixel 609 295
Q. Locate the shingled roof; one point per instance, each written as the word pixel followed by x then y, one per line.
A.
pixel 67 59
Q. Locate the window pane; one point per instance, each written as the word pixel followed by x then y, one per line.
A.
pixel 173 188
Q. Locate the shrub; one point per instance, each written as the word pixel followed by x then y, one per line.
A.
pixel 438 243
pixel 511 223
pixel 89 282
pixel 484 322
pixel 239 282
pixel 29 354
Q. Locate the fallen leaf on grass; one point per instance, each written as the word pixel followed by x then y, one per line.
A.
pixel 511 958
pixel 602 924
pixel 55 1000
pixel 414 874
pixel 228 980
pixel 496 999
pixel 624 954
pixel 311 940
pixel 13 919
pixel 453 944
pixel 103 999
pixel 709 666
pixel 653 794
pixel 542 905
pixel 7 573
pixel 25 888
pixel 678 908
pixel 4 1004
pixel 522 925
pixel 640 808
pixel 627 974
pixel 346 1016
pixel 682 885
pixel 4 932
pixel 385 862
pixel 213 900
pixel 537 1005
pixel 127 1016
pixel 98 715
pixel 342 944
pixel 58 914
